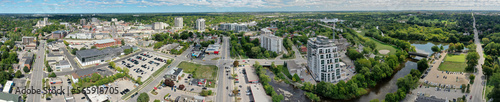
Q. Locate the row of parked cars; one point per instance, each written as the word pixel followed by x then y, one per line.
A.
pixel 124 91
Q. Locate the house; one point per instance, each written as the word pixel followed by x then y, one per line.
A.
pixel 7 97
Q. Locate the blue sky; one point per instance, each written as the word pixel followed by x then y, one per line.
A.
pixel 138 6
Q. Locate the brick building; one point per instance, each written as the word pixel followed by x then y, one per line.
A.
pixel 107 43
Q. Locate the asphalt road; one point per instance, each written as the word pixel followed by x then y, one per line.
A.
pixel 477 87
pixel 223 80
pixel 37 73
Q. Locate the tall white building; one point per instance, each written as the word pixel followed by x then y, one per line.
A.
pixel 271 42
pixel 178 22
pixel 159 25
pixel 200 24
pixel 234 27
pixel 323 59
pixel 83 21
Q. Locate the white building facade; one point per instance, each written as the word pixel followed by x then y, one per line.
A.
pixel 271 42
pixel 200 24
pixel 159 25
pixel 178 22
pixel 323 59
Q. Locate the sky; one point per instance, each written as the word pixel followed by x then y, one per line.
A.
pixel 146 6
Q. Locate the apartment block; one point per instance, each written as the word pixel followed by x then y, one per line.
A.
pixel 323 59
pixel 200 24
pixel 271 42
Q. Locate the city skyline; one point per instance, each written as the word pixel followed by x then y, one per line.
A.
pixel 152 6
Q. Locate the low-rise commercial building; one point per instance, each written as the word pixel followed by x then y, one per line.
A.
pixel 174 74
pixel 64 64
pixel 28 39
pixel 185 98
pixel 59 34
pixel 7 88
pixel 95 56
pixel 7 97
pixel 168 47
pixel 107 43
pixel 213 49
pixel 56 57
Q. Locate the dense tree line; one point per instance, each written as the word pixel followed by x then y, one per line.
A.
pixel 264 80
pixel 491 70
pixel 492 49
pixel 405 84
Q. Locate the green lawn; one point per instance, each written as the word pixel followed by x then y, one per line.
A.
pixel 382 46
pixel 208 72
pixel 455 58
pixel 454 63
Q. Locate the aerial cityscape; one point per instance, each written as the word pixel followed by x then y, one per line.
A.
pixel 249 51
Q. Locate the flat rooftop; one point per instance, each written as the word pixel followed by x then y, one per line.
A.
pixel 103 41
pixel 251 74
pixel 258 94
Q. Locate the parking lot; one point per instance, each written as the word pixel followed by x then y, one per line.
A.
pixel 142 65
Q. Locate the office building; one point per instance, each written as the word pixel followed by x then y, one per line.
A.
pixel 323 59
pixel 200 24
pixel 159 25
pixel 271 42
pixel 178 22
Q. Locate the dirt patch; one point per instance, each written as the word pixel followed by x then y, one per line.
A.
pixel 385 52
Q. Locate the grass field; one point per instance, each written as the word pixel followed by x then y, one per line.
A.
pixel 454 63
pixel 455 58
pixel 380 45
pixel 208 72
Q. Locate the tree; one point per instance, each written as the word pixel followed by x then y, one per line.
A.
pixel 83 48
pixel 435 48
pixel 472 60
pixel 181 87
pixel 441 48
pixel 296 78
pixel 65 42
pixel 371 44
pixel 485 40
pixel 471 78
pixel 18 74
pixel 143 97
pixel 157 100
pixel 49 69
pixel 73 51
pixel 52 75
pixel 169 82
pixel 236 63
pixel 26 69
pixel 95 77
pixel 422 64
pixel 123 42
